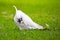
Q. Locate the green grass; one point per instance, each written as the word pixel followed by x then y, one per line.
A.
pixel 41 11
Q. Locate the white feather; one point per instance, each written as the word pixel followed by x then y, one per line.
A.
pixel 27 22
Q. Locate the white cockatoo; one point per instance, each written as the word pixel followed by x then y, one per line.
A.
pixel 23 21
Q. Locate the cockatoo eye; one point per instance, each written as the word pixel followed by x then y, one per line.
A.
pixel 19 20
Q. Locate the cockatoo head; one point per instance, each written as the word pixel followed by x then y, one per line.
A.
pixel 17 18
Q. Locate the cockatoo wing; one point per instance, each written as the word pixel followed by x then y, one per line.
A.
pixel 28 21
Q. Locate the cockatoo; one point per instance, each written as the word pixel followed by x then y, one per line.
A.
pixel 23 21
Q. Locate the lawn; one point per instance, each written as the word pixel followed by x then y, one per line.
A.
pixel 41 11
